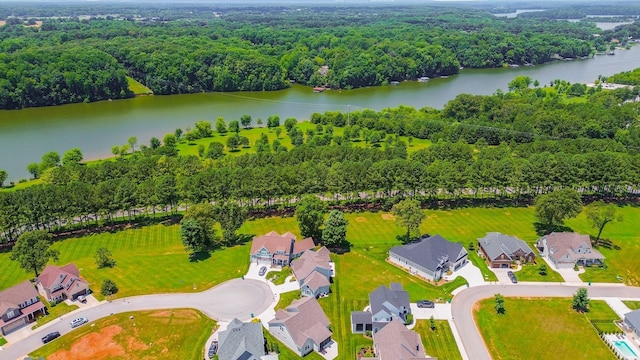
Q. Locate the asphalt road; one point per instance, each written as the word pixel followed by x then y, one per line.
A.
pixel 234 298
pixel 463 303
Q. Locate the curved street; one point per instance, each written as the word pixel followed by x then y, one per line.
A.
pixel 247 298
pixel 233 298
pixel 463 304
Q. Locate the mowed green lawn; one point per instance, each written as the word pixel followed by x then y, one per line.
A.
pixel 149 260
pixel 438 343
pixel 541 329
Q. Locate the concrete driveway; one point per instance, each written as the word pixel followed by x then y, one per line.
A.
pixel 470 272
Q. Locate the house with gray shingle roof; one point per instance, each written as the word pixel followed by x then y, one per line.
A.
pixel 429 257
pixel 565 250
pixel 241 341
pixel 302 326
pixel 500 250
pixel 385 305
pixel 313 272
pixel 632 320
pixel 18 306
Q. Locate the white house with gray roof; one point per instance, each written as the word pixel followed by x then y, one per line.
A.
pixel 385 305
pixel 313 272
pixel 565 250
pixel 500 250
pixel 632 320
pixel 429 257
pixel 302 326
pixel 241 341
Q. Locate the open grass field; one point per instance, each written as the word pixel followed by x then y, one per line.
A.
pixel 149 260
pixel 438 343
pixel 164 334
pixel 535 328
pixel 137 88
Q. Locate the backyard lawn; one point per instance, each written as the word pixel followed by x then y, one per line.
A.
pixel 163 334
pixel 438 343
pixel 530 329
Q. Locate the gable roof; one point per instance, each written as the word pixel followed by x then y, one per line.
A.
pixel 494 244
pixel 633 318
pixel 396 342
pixel 64 274
pixel 18 294
pixel 303 245
pixel 304 319
pixel 310 260
pixel 241 341
pixel 563 246
pixel 273 242
pixel 429 252
pixel 315 281
pixel 394 295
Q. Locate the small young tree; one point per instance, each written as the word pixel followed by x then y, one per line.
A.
pixel 542 270
pixel 278 132
pixel 221 126
pixel 104 258
pixel 234 126
pixel 581 300
pixel 432 323
pixel 245 120
pixel 108 287
pixel 500 304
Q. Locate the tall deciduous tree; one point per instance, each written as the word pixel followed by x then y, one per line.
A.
pixel 3 177
pixel 310 215
pixel 154 143
pixel 133 141
pixel 234 126
pixel 555 207
pixel 245 120
pixel 581 300
pixel 193 235
pixel 231 216
pixel 600 214
pixel 32 250
pixel 409 215
pixel 72 156
pixel 221 126
pixel 334 233
pixel 34 170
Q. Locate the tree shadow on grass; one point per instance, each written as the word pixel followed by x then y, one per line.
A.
pixel 200 256
pixel 542 229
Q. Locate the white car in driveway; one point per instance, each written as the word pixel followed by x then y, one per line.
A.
pixel 79 321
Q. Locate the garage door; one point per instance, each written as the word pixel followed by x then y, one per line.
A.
pixel 14 326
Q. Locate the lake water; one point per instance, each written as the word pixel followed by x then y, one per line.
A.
pixel 25 135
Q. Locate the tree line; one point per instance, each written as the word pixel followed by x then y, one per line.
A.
pixel 70 60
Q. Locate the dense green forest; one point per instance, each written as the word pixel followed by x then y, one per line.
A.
pixel 508 146
pixel 199 48
pixel 628 77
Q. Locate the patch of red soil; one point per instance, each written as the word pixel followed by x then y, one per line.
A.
pixel 94 346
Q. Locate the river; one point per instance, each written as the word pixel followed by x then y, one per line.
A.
pixel 25 135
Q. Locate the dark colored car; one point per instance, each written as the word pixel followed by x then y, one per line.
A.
pixel 426 304
pixel 263 270
pixel 50 336
pixel 213 349
pixel 512 276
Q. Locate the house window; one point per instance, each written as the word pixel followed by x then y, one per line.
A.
pixel 10 314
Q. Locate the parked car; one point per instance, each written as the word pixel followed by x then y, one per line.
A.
pixel 426 304
pixel 213 349
pixel 79 321
pixel 50 336
pixel 512 276
pixel 263 270
pixel 82 299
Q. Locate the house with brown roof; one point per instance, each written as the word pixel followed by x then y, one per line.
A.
pixel 57 283
pixel 278 250
pixel 395 342
pixel 566 250
pixel 302 326
pixel 500 250
pixel 19 306
pixel 313 271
